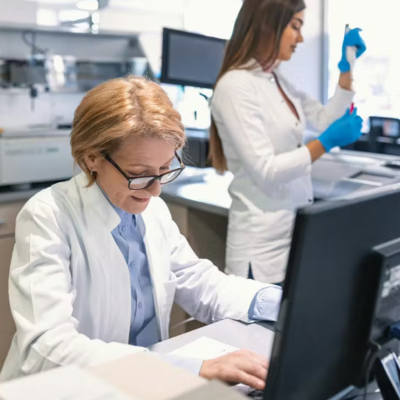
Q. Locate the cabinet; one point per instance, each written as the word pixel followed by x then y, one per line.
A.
pixel 206 233
pixel 8 213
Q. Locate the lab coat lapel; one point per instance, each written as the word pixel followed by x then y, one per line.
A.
pixel 104 254
pixel 101 214
pixel 296 103
pixel 158 267
pixel 297 125
pixel 96 207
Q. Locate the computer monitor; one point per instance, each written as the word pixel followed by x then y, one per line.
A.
pixel 341 294
pixel 189 59
pixel 386 127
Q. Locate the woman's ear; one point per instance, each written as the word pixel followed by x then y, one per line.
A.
pixel 92 161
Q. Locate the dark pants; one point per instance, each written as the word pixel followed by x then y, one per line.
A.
pixel 250 276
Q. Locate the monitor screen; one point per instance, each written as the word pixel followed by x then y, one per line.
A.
pixel 390 126
pixel 190 59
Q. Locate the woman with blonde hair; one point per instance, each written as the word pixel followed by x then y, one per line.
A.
pixel 98 260
pixel 259 120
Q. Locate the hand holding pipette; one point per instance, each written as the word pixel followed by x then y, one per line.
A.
pixel 353 47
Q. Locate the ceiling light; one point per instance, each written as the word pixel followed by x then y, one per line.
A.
pixel 46 17
pixel 72 15
pixel 88 5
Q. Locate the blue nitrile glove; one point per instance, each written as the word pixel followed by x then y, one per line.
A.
pixel 342 132
pixel 351 38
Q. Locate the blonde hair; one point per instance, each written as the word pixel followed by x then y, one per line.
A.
pixel 120 108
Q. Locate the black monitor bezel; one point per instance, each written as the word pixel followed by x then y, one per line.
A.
pixel 165 57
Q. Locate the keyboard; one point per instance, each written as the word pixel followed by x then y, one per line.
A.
pixel 256 394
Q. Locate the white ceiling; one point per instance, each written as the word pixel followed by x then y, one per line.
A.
pixel 55 2
pixel 131 4
pixel 151 5
pixel 195 13
pixel 159 6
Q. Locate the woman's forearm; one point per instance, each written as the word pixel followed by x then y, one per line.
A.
pixel 346 80
pixel 316 150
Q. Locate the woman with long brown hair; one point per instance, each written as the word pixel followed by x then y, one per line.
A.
pixel 257 133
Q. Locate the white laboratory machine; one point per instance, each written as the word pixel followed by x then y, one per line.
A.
pixel 35 156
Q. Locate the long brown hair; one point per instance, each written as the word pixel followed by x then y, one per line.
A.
pixel 260 24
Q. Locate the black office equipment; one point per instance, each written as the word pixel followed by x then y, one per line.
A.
pixel 386 127
pixel 189 59
pixel 383 137
pixel 341 296
pixel 196 148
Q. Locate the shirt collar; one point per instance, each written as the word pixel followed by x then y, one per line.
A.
pixel 255 66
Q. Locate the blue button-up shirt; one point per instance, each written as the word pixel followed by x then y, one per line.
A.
pixel 127 236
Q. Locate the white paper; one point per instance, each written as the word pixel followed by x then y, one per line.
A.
pixel 204 348
pixel 243 389
pixel 66 383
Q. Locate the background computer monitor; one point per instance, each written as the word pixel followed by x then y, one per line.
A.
pixel 332 293
pixel 189 59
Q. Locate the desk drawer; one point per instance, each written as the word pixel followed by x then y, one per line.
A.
pixel 8 214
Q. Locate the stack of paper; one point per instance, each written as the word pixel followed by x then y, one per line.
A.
pixel 204 348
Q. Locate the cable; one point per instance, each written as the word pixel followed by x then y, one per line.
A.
pixel 374 350
pixel 395 331
pixel 34 50
pixel 31 44
pixel 205 96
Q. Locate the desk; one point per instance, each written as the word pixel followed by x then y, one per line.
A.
pixel 257 337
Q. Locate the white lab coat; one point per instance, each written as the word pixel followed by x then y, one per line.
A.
pixel 70 291
pixel 263 144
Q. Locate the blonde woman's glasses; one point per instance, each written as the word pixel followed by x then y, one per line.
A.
pixel 143 182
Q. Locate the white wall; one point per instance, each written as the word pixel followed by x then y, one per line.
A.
pixel 16 110
pixel 17 12
pixel 305 70
pixel 139 20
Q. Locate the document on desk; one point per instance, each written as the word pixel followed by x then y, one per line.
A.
pixel 66 383
pixel 204 348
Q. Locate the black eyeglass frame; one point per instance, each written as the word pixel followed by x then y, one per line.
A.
pixel 155 177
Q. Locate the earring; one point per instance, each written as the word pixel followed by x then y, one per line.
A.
pixel 91 172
